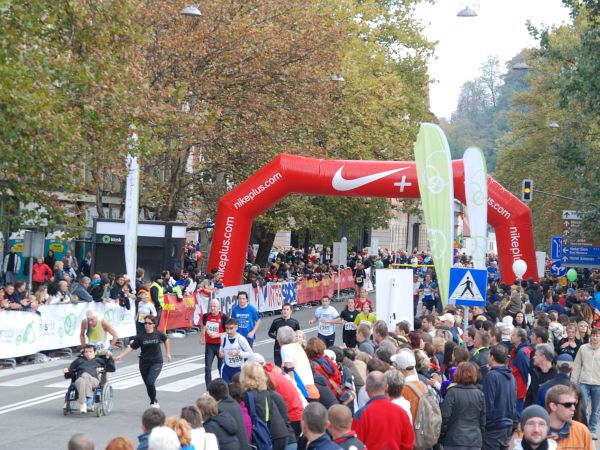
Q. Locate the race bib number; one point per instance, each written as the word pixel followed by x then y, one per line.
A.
pixel 359 279
pixel 235 360
pixel 212 327
pixel 325 328
pixel 349 326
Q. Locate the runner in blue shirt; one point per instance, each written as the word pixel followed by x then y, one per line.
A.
pixel 247 317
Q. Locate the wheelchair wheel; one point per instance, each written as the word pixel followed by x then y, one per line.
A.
pixel 66 408
pixel 107 399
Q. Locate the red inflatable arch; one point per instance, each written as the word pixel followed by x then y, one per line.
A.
pixel 287 174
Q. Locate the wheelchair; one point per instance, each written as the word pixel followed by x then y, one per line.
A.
pixel 103 396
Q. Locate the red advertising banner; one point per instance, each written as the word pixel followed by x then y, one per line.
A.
pixel 313 290
pixel 177 314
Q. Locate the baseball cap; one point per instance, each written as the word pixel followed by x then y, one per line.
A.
pixel 405 359
pixel 331 354
pixel 447 318
pixel 564 359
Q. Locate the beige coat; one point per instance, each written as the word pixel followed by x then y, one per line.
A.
pixel 586 369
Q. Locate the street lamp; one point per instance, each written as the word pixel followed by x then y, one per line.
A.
pixel 520 66
pixel 467 12
pixel 191 10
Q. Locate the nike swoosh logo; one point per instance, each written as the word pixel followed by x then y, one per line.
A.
pixel 340 183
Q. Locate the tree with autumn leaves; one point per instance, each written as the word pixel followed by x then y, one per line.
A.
pixel 258 76
pixel 213 99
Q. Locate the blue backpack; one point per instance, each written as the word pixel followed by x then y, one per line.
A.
pixel 261 437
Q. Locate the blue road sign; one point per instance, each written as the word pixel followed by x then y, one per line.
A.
pixel 556 247
pixel 557 270
pixel 580 256
pixel 467 287
pixel 575 250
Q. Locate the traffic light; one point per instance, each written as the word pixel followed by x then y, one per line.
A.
pixel 527 190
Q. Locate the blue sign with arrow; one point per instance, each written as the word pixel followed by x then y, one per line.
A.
pixel 557 270
pixel 556 247
pixel 467 287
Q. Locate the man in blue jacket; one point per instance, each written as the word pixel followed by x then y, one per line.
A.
pixel 152 418
pixel 500 391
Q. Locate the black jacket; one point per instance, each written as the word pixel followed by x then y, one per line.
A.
pixel 232 408
pixel 480 357
pixel 224 428
pixel 500 391
pixel 281 322
pixel 537 379
pixel 96 292
pixel 463 417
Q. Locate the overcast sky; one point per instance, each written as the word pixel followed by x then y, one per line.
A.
pixel 464 43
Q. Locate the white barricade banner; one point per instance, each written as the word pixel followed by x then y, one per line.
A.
pixel 57 326
pixel 227 296
pixel 19 333
pixel 274 295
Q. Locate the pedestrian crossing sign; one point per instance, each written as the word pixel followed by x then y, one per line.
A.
pixel 467 287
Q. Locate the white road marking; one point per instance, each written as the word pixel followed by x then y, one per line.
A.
pixel 169 372
pixel 187 383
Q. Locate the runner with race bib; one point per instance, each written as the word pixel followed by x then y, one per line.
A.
pixel 234 350
pixel 347 317
pixel 213 329
pixel 327 316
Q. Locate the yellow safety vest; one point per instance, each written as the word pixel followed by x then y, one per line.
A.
pixel 161 293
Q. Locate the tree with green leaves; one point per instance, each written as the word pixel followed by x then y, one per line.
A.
pixel 69 89
pixel 554 137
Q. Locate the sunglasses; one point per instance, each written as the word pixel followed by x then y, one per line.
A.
pixel 568 405
pixel 148 323
pixel 230 328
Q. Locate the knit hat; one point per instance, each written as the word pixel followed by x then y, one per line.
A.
pixel 534 411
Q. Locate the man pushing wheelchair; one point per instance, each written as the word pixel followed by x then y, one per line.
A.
pixel 88 373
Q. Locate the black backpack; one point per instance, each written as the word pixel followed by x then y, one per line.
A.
pixel 261 437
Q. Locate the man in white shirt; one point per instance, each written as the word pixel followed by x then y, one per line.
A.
pixel 327 317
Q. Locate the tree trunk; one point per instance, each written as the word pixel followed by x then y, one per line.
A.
pixel 265 244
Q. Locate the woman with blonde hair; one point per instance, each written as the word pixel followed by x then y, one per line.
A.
pixel 59 273
pixel 183 430
pixel 266 405
pixel 583 331
pixel 41 295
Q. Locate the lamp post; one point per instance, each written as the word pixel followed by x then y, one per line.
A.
pixel 191 11
pixel 467 12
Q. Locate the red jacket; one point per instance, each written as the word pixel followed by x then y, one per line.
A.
pixel 381 424
pixel 41 273
pixel 288 391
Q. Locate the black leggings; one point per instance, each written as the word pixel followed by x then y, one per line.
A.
pixel 149 373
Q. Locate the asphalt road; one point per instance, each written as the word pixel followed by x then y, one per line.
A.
pixel 32 396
